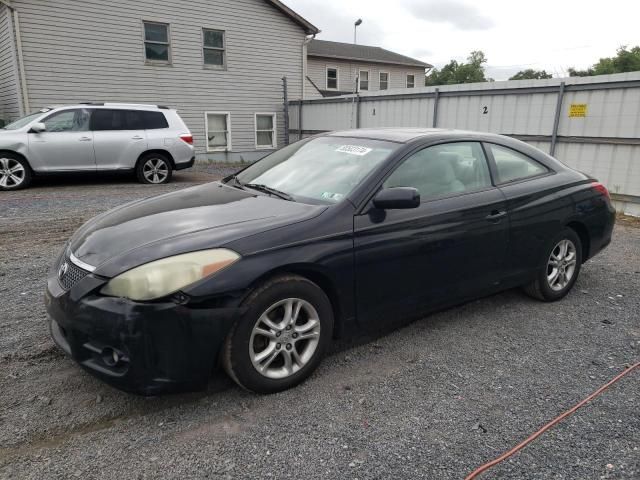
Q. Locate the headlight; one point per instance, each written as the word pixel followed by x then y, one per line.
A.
pixel 162 277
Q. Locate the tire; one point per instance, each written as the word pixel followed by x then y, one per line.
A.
pixel 154 169
pixel 550 285
pixel 15 172
pixel 271 372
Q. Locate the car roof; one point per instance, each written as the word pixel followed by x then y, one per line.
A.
pixel 406 135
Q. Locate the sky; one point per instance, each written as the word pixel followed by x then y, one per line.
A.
pixel 514 35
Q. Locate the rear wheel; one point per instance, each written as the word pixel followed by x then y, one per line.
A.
pixel 154 168
pixel 560 271
pixel 282 338
pixel 14 172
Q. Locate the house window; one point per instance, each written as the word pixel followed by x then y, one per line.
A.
pixel 411 81
pixel 384 80
pixel 218 131
pixel 364 79
pixel 266 130
pixel 157 47
pixel 332 78
pixel 213 47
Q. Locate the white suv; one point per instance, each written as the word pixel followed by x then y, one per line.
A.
pixel 149 140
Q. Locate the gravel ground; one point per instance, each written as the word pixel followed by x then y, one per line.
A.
pixel 435 399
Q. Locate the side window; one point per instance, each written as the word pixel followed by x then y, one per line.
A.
pixel 68 121
pixel 157 44
pixel 512 165
pixel 411 81
pixel 384 80
pixel 266 130
pixel 332 78
pixel 363 79
pixel 213 47
pixel 104 119
pixel 154 120
pixel 218 131
pixel 443 170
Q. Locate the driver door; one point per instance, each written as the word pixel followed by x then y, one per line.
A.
pixel 449 248
pixel 66 144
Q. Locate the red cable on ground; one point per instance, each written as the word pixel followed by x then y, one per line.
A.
pixel 535 435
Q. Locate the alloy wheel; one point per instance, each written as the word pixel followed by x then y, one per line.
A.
pixel 155 170
pixel 284 338
pixel 561 265
pixel 12 173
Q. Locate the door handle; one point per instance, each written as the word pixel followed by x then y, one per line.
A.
pixel 85 139
pixel 496 215
pixel 137 137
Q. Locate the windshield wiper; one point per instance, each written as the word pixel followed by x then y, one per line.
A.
pixel 272 191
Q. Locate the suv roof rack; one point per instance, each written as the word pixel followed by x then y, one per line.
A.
pixel 91 103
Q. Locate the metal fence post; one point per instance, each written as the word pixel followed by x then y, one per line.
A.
pixel 556 120
pixel 286 110
pixel 358 112
pixel 300 120
pixel 435 108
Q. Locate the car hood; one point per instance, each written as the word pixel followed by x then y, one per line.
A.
pixel 206 216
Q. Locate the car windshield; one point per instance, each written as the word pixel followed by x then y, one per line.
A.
pixel 24 121
pixel 322 169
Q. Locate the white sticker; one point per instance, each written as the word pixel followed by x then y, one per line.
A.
pixel 354 150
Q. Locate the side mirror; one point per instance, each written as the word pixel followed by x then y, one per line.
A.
pixel 38 127
pixel 397 198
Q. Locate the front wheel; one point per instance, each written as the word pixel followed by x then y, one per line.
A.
pixel 14 172
pixel 282 337
pixel 154 168
pixel 560 270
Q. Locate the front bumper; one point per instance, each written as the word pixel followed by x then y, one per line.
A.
pixel 144 348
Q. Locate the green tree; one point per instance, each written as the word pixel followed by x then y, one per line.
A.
pixel 454 72
pixel 531 74
pixel 626 60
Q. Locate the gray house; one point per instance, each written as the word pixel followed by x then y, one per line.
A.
pixel 335 68
pixel 219 62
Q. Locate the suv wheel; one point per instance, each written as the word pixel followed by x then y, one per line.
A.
pixel 154 168
pixel 282 337
pixel 14 172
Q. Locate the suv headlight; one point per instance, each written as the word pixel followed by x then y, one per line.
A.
pixel 162 277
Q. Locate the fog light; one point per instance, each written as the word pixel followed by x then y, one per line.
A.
pixel 110 357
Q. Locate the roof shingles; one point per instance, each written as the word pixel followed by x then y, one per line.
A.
pixel 365 53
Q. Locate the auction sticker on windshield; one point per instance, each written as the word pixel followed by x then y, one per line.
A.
pixel 354 150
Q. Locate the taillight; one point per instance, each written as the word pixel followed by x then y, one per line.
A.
pixel 187 138
pixel 598 187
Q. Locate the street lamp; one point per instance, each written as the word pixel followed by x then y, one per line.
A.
pixel 355 29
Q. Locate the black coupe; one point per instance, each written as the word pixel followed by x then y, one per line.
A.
pixel 326 237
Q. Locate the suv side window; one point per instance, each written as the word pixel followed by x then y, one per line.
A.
pixel 154 120
pixel 443 170
pixel 76 120
pixel 512 165
pixel 105 119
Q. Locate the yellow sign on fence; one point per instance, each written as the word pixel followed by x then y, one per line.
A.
pixel 578 110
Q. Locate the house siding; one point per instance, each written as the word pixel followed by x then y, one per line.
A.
pixel 78 51
pixel 317 68
pixel 9 103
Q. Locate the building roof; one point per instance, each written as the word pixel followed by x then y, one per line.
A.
pixel 308 27
pixel 364 53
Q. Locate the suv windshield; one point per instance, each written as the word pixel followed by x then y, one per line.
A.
pixel 322 169
pixel 24 120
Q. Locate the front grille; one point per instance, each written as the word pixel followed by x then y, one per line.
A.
pixel 71 274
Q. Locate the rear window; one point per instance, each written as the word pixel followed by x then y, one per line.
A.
pixel 105 119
